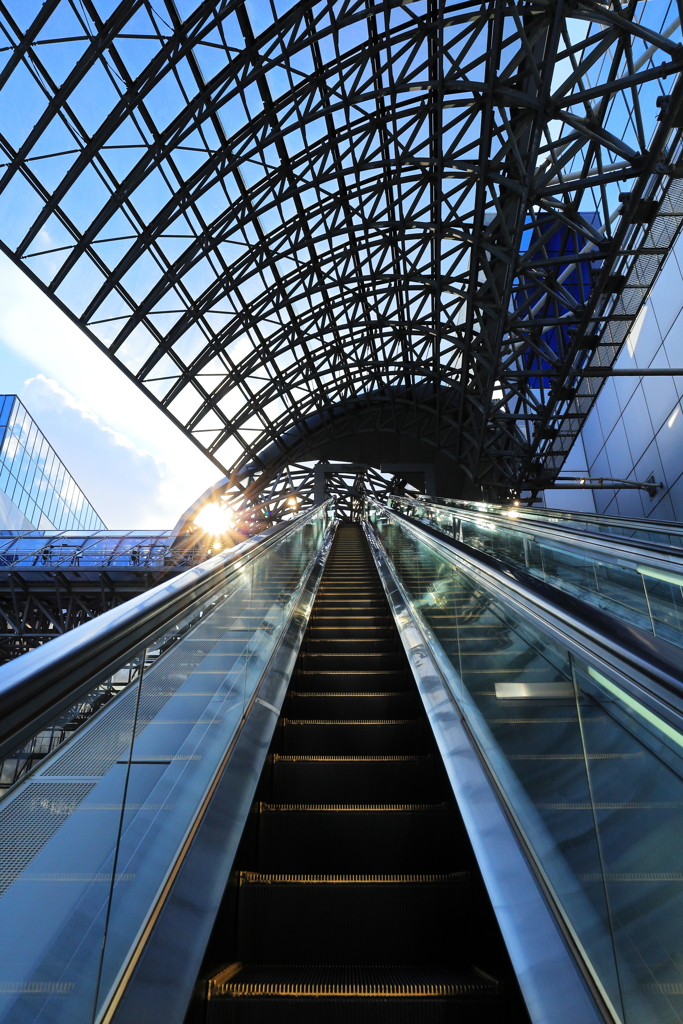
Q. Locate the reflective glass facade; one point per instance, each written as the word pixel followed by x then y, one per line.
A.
pixel 36 489
pixel 635 431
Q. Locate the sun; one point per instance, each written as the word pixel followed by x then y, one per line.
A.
pixel 214 519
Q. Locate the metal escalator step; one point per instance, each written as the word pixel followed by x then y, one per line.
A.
pixel 347 586
pixel 360 736
pixel 352 620
pixel 354 645
pixel 359 628
pixel 352 779
pixel 365 580
pixel 365 994
pixel 385 919
pixel 355 838
pixel 359 606
pixel 348 660
pixel 350 594
pixel 356 680
pixel 397 704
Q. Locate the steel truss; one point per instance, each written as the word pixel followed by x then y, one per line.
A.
pixel 414 221
pixel 297 488
pixel 53 582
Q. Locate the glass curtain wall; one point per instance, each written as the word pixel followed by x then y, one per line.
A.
pixel 38 489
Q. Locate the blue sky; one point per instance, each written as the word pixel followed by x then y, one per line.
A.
pixel 133 464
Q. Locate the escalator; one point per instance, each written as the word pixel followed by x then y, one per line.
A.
pixel 354 898
pixel 354 772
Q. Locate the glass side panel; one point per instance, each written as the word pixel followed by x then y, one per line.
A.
pixel 88 838
pixel 588 765
pixel 626 583
pixel 645 530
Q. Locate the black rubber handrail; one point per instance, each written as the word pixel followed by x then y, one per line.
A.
pixel 36 687
pixel 649 655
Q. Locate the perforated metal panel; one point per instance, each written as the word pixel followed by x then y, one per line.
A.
pixel 29 821
pixel 94 751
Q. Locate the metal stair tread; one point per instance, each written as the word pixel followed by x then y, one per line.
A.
pixel 363 980
pixel 349 721
pixel 352 757
pixel 428 878
pixel 369 808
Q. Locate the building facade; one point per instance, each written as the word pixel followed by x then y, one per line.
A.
pixel 37 492
pixel 635 430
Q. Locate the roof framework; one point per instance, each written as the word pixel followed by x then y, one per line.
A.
pixel 291 223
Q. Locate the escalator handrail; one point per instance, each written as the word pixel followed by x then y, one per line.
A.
pixel 36 687
pixel 544 514
pixel 651 657
pixel 612 546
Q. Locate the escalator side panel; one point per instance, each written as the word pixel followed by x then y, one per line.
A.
pixel 161 980
pixel 494 647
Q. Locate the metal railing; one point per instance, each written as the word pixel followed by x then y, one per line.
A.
pixel 633 579
pixel 99 840
pixel 578 720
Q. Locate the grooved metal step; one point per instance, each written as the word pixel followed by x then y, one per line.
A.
pixel 359 736
pixel 355 838
pixel 417 919
pixel 353 680
pixel 379 778
pixel 400 704
pixel 336 994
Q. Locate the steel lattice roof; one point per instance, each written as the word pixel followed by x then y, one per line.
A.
pixel 296 223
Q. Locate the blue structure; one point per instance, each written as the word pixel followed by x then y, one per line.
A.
pixel 36 489
pixel 546 240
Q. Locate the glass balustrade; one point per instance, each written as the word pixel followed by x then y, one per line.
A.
pixel 646 531
pixel 588 763
pixel 642 587
pixel 89 837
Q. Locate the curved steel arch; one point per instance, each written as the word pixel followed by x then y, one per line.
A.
pixel 411 214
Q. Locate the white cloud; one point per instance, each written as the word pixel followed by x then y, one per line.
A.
pixel 154 472
pixel 128 486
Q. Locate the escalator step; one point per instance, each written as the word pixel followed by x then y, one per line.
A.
pixel 336 643
pixel 355 838
pixel 350 590
pixel 344 779
pixel 385 919
pixel 275 994
pixel 353 705
pixel 322 627
pixel 350 620
pixel 347 660
pixel 358 680
pixel 385 736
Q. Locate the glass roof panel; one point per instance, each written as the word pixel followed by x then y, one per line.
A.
pixel 294 207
